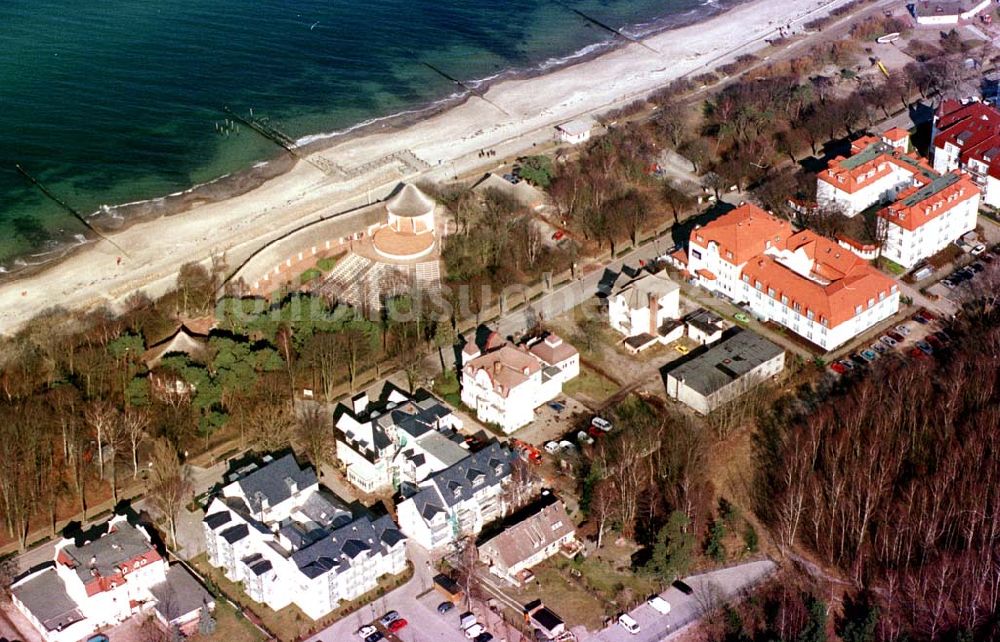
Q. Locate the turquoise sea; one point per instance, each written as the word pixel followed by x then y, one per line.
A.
pixel 111 101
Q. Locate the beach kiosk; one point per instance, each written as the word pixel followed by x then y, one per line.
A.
pixel 574 132
pixel 409 230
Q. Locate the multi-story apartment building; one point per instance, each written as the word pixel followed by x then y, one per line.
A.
pixel 285 541
pixel 505 383
pixel 924 220
pixel 966 136
pixel 800 280
pixel 457 501
pixel 875 172
pixel 397 438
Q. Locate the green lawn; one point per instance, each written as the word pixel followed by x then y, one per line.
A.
pixel 592 385
pixel 230 625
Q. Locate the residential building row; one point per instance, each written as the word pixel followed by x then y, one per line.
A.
pixel 966 136
pixel 504 383
pixel 285 541
pixel 395 439
pixel 99 582
pixel 800 280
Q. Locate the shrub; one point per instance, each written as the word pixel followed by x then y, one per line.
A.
pixel 326 263
pixel 309 275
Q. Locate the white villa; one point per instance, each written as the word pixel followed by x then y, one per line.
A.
pixel 504 383
pixel 457 501
pixel 396 439
pixel 102 582
pixel 286 542
pixel 641 309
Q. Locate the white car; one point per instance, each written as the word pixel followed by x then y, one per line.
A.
pixel 979 249
pixel 475 631
pixel 659 604
pixel 567 446
pixel 551 447
pixel 583 438
pixel 628 623
pixel 601 423
pixel 366 630
pixel 903 329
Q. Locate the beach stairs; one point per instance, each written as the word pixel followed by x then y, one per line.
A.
pixel 412 164
pixel 365 284
pixel 428 276
pixel 345 282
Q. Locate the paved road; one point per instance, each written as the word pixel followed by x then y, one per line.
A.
pixel 709 590
pixel 412 600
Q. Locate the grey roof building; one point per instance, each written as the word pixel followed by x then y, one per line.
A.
pixel 44 596
pixel 725 371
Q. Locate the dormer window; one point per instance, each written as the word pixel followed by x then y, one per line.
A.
pixel 770 292
pixel 858 309
pixel 457 492
pixel 784 300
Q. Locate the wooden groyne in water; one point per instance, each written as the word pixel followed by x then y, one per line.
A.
pixel 286 142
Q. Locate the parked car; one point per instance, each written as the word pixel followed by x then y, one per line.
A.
pixel 903 329
pixel 977 267
pixel 935 343
pixel 388 618
pixel 567 446
pixel 925 347
pixel 683 349
pixel 977 250
pixel 943 336
pixel 594 431
pixel 879 348
pixel 682 587
pixel 628 623
pixel 869 355
pixel 838 367
pixel 601 423
pixel 927 315
pixel 367 630
pixel 475 631
pixel 551 447
pixel 100 637
pixel 397 625
pixel 858 360
pixel 484 637
pixel 846 364
pixel 377 636
pixel 445 607
pixel 659 604
pixel 555 405
pixel 889 341
pixel 896 336
pixel 917 352
pixel 559 235
pixel 921 319
pixel 741 317
pixel 583 438
pixel 948 283
pixel 466 620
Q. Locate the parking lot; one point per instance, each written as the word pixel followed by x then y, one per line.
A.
pixel 919 337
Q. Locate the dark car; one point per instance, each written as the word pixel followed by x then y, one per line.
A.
pixel 925 347
pixel 927 315
pixel 858 360
pixel 682 587
pixel 943 336
pixel 897 337
pixel 936 343
pixel 375 637
pixel 484 637
pixel 977 267
pixel 921 319
pixel 389 618
pixel 444 607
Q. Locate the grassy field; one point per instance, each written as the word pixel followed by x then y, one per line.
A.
pixel 592 385
pixel 230 625
pixel 291 623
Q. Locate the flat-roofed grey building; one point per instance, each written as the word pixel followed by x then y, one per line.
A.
pixel 725 371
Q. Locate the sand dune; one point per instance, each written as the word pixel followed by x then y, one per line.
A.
pixel 448 142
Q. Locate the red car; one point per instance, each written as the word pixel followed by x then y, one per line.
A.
pixel 559 235
pixel 595 432
pixel 397 625
pixel 838 367
pixel 918 353
pixel 927 315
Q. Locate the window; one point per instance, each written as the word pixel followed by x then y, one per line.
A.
pixel 757 285
pixel 729 255
pixel 746 278
pixel 770 292
pixel 695 253
pixel 857 309
pixel 881 296
pixel 797 307
pixel 810 315
pixel 871 302
pixel 784 300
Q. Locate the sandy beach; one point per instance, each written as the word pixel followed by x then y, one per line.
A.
pixel 346 173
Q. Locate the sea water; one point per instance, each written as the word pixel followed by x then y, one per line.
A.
pixel 113 101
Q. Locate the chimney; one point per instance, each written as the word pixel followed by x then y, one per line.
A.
pixel 496 367
pixel 360 403
pixel 654 310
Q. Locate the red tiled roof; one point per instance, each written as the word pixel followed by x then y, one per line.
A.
pixel 706 274
pixel 743 233
pixel 911 216
pixel 852 179
pixel 974 128
pixel 896 134
pixel 842 280
pixel 507 367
